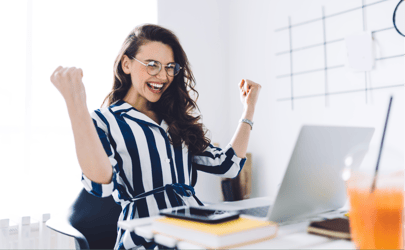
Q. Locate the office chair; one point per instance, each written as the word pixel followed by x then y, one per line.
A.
pixel 92 221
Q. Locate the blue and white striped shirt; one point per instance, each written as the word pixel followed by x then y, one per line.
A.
pixel 144 161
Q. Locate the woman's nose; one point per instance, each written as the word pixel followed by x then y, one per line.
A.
pixel 162 74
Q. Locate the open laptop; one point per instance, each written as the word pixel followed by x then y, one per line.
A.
pixel 313 182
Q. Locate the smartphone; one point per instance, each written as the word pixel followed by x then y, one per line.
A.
pixel 200 214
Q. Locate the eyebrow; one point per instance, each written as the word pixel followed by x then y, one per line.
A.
pixel 150 60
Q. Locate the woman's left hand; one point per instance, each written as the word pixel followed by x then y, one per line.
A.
pixel 249 92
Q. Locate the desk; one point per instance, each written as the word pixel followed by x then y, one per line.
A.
pixel 292 236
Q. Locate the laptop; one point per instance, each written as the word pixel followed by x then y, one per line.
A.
pixel 313 183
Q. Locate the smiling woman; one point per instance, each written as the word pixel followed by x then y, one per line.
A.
pixel 145 146
pixel 150 82
pixel 36 142
pixel 147 88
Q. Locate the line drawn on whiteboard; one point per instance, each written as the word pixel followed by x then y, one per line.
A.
pixel 326 93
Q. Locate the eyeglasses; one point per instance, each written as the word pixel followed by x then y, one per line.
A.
pixel 154 67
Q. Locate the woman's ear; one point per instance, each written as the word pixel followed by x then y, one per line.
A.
pixel 126 64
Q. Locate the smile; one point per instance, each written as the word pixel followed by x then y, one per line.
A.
pixel 155 87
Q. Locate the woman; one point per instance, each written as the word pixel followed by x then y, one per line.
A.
pixel 152 142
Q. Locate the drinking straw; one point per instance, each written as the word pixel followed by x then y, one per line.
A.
pixel 381 147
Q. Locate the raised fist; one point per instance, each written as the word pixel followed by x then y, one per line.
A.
pixel 69 83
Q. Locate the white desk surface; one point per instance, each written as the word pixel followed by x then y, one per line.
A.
pixel 292 236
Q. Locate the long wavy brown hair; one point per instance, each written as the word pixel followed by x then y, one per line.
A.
pixel 176 106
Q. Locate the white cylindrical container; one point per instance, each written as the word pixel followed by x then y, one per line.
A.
pixel 4 234
pixel 44 232
pixel 24 230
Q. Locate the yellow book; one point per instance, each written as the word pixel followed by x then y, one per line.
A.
pixel 234 233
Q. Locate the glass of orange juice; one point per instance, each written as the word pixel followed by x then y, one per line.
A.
pixel 376 216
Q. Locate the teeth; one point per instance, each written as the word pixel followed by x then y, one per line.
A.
pixel 155 85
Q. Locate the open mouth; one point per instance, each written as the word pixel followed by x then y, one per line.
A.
pixel 155 87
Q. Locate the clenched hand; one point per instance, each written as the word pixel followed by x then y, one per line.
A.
pixel 69 83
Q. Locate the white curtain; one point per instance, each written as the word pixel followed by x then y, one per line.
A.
pixel 39 168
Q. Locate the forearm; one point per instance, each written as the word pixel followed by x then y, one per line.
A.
pixel 240 139
pixel 92 158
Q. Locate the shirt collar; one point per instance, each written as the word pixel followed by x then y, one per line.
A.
pixel 121 107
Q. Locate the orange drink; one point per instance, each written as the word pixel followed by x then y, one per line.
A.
pixel 376 217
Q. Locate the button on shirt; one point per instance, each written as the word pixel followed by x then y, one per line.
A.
pixel 144 160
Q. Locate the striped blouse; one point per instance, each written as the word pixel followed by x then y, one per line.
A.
pixel 149 173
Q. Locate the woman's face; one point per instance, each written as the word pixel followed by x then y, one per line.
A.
pixel 144 86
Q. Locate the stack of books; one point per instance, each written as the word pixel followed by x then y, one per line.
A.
pixel 229 234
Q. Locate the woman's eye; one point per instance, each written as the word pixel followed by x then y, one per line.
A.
pixel 153 64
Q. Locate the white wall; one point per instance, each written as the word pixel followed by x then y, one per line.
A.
pixel 241 34
pixel 39 163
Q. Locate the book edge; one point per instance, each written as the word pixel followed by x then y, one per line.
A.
pixel 269 224
pixel 330 233
pixel 227 246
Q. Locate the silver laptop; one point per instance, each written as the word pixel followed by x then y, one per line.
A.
pixel 313 183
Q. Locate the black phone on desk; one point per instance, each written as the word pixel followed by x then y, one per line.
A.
pixel 200 214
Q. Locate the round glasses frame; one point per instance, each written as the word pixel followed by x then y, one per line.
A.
pixel 150 67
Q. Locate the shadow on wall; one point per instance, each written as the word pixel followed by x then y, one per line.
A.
pixel 240 187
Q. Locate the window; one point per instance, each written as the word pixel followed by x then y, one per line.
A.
pixel 39 166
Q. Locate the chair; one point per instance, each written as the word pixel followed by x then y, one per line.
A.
pixel 92 221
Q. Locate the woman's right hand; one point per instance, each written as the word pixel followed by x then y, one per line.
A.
pixel 69 83
pixel 92 158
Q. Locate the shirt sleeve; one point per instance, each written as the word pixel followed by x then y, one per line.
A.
pixel 97 189
pixel 221 162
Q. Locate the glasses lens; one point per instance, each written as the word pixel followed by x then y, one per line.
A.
pixel 173 69
pixel 154 67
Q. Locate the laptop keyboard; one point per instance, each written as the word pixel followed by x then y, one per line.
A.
pixel 256 211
